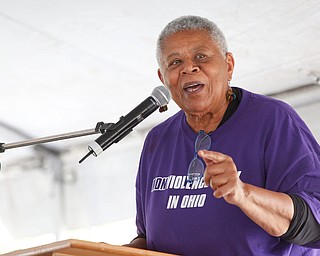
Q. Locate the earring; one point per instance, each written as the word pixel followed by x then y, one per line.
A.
pixel 230 95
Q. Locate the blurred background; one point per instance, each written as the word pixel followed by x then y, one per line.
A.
pixel 66 65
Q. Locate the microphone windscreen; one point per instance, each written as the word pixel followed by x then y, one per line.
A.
pixel 162 95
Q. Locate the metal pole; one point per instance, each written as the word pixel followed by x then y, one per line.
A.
pixel 63 136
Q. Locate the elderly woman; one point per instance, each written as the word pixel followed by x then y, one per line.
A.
pixel 233 172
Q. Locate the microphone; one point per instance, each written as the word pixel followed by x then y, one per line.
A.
pixel 160 97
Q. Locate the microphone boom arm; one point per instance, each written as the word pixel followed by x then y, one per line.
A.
pixel 101 127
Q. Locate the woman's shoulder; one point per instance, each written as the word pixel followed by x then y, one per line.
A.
pixel 169 124
pixel 267 104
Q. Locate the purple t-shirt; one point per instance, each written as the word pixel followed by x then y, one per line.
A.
pixel 271 147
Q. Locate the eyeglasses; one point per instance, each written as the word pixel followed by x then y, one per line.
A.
pixel 196 167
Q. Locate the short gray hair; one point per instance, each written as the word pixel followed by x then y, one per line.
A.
pixel 191 23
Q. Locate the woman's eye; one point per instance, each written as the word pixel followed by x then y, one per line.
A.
pixel 175 62
pixel 200 56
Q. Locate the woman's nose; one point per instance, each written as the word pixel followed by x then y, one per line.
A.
pixel 189 67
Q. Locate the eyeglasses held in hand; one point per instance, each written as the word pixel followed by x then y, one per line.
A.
pixel 196 167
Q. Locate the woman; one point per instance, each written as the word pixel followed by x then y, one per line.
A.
pixel 260 190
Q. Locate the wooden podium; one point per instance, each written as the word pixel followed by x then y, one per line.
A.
pixel 73 247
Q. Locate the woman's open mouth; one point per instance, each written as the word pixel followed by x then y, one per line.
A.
pixel 193 87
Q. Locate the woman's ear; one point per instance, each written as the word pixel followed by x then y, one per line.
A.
pixel 230 64
pixel 160 76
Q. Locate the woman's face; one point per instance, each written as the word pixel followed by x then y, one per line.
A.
pixel 195 71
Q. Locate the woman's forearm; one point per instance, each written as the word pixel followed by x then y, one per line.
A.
pixel 272 211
